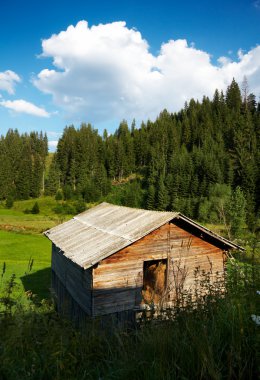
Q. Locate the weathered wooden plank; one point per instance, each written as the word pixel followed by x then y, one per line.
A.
pixel 76 281
pixel 124 269
pixel 118 300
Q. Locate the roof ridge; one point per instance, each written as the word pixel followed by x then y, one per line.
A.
pixel 103 230
pixel 137 208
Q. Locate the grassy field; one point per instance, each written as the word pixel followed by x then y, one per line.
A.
pixel 24 250
pixel 28 257
pixel 16 220
pixel 22 244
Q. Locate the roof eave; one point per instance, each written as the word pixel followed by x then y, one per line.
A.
pixel 210 233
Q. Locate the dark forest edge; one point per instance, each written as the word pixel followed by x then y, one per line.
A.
pixel 203 161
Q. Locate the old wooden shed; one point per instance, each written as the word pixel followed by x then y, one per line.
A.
pixel 114 260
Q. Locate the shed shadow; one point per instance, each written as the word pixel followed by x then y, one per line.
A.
pixel 38 283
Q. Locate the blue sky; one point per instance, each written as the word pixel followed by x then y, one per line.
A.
pixel 164 54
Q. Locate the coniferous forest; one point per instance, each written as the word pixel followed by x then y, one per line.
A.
pixel 200 161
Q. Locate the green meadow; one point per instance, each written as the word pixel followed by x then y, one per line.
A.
pixel 28 257
pixel 15 219
pixel 24 250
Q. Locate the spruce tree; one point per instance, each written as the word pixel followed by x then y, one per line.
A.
pixel 162 196
pixel 237 212
pixel 150 204
pixel 53 179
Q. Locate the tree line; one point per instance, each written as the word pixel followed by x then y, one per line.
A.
pixel 194 161
pixel 22 164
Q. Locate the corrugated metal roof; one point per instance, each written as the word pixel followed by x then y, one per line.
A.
pixel 103 230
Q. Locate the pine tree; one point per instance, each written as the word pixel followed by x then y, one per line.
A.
pixel 233 97
pixel 237 212
pixel 53 179
pixel 150 204
pixel 162 196
pixel 24 176
pixel 37 176
pixel 35 208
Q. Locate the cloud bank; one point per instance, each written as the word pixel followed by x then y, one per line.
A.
pixel 22 106
pixel 106 72
pixel 8 79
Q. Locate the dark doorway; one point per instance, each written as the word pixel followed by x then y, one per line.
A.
pixel 154 281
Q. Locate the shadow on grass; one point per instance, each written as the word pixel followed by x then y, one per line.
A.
pixel 38 283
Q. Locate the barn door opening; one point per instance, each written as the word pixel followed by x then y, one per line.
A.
pixel 154 281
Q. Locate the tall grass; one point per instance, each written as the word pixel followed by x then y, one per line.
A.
pixel 217 339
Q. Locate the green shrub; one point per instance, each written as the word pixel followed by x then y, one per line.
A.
pixel 67 192
pixel 59 195
pixel 35 208
pixel 9 202
pixel 65 209
pixel 79 206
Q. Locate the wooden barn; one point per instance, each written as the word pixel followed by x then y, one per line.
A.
pixel 114 260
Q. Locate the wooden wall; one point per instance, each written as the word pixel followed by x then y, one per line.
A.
pixel 118 279
pixel 70 280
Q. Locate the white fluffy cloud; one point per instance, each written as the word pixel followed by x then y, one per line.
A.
pixel 22 106
pixel 8 79
pixel 106 72
pixel 52 144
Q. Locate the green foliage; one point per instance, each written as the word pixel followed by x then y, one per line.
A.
pixel 22 160
pixel 237 212
pixel 90 192
pixel 35 208
pixel 65 209
pixel 67 192
pixel 204 210
pixel 162 196
pixel 215 207
pixel 233 97
pixel 52 182
pixel 59 195
pixel 151 198
pixel 80 206
pixel 133 196
pixel 9 202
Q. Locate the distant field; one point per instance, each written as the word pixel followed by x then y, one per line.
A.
pixel 16 250
pixel 15 219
